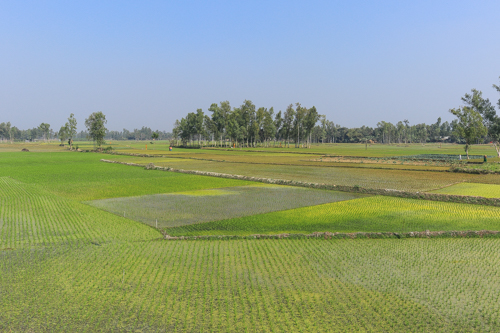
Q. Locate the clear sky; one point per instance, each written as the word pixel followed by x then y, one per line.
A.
pixel 148 63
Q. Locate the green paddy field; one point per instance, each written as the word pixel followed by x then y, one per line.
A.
pixel 83 248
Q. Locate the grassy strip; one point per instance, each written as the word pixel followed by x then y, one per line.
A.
pixel 356 189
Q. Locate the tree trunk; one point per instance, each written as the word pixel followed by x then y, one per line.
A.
pixel 298 137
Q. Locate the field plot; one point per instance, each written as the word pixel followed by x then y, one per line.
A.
pixel 370 178
pixel 472 189
pixel 345 149
pixel 417 285
pixel 371 214
pixel 81 176
pixel 183 208
pixel 30 216
pixel 487 179
pixel 31 146
pixel 67 266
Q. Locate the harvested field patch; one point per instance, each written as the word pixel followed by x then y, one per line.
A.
pixel 405 180
pixel 486 179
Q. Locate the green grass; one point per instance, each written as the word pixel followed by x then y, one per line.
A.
pixel 183 208
pixel 472 189
pixel 345 149
pixel 372 214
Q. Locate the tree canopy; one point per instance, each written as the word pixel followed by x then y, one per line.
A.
pixel 470 125
pixel 95 126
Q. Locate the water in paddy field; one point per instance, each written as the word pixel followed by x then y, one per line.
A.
pixel 182 208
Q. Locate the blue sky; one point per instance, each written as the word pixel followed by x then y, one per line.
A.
pixel 148 63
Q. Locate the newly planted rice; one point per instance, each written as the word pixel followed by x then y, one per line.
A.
pixel 472 189
pixel 68 267
pixel 30 216
pixel 188 207
pixel 371 214
pixel 417 285
pixel 81 176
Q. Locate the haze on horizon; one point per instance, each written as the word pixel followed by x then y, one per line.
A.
pixel 149 63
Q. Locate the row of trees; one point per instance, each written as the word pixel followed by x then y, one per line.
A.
pixel 477 121
pixel 94 124
pixel 12 133
pixel 97 131
pixel 325 131
pixel 248 126
pixel 68 132
pixel 144 133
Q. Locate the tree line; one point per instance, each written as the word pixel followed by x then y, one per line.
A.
pixel 249 126
pixel 67 131
pixel 246 125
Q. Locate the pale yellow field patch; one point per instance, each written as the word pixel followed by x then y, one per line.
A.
pixel 472 189
pixel 217 192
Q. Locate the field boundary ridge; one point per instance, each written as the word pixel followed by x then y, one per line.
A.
pixel 353 235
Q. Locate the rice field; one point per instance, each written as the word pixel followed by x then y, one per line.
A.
pixel 67 266
pixel 370 214
pixel 472 189
pixel 418 285
pixel 344 149
pixel 189 207
pixel 80 176
pixel 30 216
pixel 486 179
pixel 420 181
